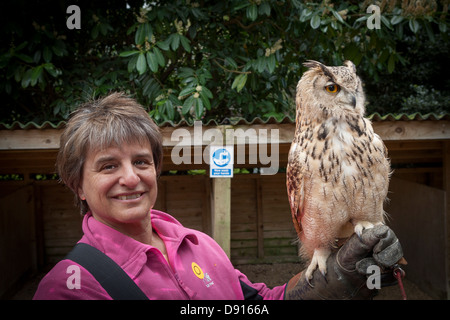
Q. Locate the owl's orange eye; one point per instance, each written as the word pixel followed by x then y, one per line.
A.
pixel 333 88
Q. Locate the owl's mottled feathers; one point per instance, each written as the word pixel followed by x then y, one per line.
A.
pixel 338 171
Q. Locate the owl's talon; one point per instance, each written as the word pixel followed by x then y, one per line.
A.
pixel 361 225
pixel 308 281
pixel 324 274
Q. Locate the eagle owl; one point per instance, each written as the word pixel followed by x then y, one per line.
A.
pixel 338 171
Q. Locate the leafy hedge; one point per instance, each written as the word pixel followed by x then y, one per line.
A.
pixel 216 59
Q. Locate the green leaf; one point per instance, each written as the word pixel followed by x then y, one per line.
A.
pixel 264 8
pixel 261 64
pixel 306 13
pixel 363 18
pixel 231 62
pixel 159 57
pixel 334 25
pixel 24 57
pixel 141 64
pixel 185 43
pixel 37 56
pixel 207 92
pixel 188 104
pixel 391 63
pixel 186 72
pixel 386 22
pixel 315 22
pixel 58 50
pixel 205 99
pixel 271 62
pixel 414 25
pixel 128 53
pixel 26 78
pixel 35 74
pixel 132 63
pixel 337 16
pixel 252 12
pixel 47 54
pixel 170 109
pixel 152 62
pixel 185 92
pixel 143 31
pixel 175 41
pixel 383 56
pixel 198 107
pixel 239 82
pixel 139 36
pixel 131 29
pixel 396 20
pixel 50 68
pixel 148 31
pixel 164 45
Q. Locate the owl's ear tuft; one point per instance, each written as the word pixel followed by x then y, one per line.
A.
pixel 313 64
pixel 350 65
pixel 317 65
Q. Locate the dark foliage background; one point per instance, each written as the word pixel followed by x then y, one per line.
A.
pixel 217 59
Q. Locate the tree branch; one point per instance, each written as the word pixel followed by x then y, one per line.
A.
pixel 229 70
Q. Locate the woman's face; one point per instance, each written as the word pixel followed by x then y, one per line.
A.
pixel 119 184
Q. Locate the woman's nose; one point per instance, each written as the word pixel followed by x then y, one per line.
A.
pixel 129 177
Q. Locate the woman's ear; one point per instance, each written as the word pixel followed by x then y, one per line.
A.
pixel 81 194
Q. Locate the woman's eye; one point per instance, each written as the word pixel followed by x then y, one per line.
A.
pixel 142 162
pixel 333 88
pixel 108 167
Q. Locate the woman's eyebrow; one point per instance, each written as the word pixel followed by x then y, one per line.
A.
pixel 103 159
pixel 143 155
pixel 107 158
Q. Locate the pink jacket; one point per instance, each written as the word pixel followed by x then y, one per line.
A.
pixel 198 269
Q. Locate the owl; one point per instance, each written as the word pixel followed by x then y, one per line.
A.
pixel 338 171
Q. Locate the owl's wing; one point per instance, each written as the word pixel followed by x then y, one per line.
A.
pixel 295 183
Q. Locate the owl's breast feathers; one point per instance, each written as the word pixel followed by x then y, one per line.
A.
pixel 336 162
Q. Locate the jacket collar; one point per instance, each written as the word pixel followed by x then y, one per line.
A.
pixel 131 255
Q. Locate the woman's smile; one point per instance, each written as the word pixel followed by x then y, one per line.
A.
pixel 129 196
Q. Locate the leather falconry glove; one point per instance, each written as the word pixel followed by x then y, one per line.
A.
pixel 347 268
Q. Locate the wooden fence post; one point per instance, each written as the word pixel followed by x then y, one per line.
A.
pixel 221 212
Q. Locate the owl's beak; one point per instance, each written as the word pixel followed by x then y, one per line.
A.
pixel 353 101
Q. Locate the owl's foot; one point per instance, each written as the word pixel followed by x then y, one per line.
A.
pixel 319 260
pixel 361 225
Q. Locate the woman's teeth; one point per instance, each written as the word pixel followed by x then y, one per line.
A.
pixel 129 197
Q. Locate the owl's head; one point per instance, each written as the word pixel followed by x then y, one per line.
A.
pixel 330 91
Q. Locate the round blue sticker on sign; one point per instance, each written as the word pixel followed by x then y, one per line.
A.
pixel 221 157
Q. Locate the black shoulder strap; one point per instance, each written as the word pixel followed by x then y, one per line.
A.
pixel 110 275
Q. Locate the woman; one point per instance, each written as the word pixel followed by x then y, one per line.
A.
pixel 110 157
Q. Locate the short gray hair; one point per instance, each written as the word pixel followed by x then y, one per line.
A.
pixel 99 124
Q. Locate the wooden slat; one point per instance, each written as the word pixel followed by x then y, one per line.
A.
pixel 388 131
pixel 413 145
pixel 30 139
pixel 412 130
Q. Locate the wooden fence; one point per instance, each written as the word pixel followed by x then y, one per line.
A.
pixel 39 223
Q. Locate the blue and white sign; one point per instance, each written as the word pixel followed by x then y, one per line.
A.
pixel 221 161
